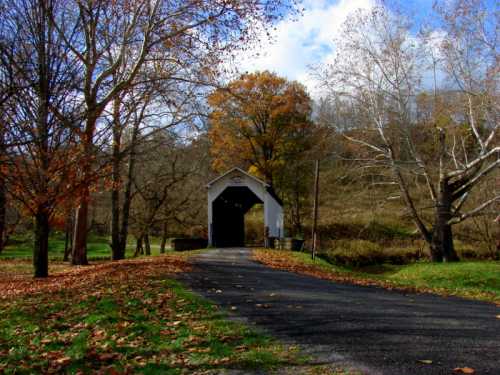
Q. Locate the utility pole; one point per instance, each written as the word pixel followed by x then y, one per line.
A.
pixel 315 213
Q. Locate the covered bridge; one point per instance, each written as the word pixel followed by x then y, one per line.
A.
pixel 230 197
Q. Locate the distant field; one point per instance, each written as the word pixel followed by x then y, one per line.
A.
pixel 98 248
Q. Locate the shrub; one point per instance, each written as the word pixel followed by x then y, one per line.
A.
pixel 467 251
pixel 361 253
pixel 373 231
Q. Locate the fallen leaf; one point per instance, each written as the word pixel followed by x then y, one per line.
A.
pixel 263 305
pixel 107 356
pixel 464 370
pixel 199 350
pixel 62 360
pixel 175 323
pixel 425 361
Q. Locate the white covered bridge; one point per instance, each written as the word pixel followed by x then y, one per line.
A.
pixel 230 197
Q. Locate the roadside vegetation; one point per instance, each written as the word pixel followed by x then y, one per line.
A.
pixel 130 316
pixel 124 317
pixel 470 279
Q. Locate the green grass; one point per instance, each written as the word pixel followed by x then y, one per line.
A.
pixel 133 318
pixel 97 248
pixel 149 325
pixel 470 279
pixel 467 277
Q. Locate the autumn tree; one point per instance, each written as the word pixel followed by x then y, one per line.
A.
pixel 379 68
pixel 259 121
pixel 116 40
pixel 164 100
pixel 39 153
pixel 262 122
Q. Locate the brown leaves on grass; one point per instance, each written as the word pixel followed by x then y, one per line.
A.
pixel 77 277
pixel 284 261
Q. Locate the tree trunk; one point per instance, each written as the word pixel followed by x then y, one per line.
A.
pixel 138 247
pixel 68 240
pixel 441 245
pixel 497 254
pixel 164 237
pixel 79 254
pixel 3 199
pixel 117 252
pixel 3 203
pixel 127 194
pixel 147 244
pixel 116 245
pixel 41 246
pixel 296 217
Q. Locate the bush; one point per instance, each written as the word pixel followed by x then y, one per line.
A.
pixel 361 253
pixel 469 252
pixel 373 231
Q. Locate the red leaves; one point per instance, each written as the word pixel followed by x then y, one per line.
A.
pixel 464 370
pixel 77 277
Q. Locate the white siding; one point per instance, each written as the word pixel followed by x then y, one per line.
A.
pixel 273 212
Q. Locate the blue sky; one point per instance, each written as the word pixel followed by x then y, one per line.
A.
pixel 309 40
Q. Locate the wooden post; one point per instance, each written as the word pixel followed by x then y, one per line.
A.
pixel 267 242
pixel 315 213
pixel 497 255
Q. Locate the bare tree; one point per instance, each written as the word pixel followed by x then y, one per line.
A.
pixel 379 68
pixel 116 40
pixel 38 160
pixel 161 185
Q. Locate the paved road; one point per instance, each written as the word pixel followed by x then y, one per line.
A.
pixel 378 331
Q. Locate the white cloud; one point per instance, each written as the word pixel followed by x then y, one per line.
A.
pixel 295 45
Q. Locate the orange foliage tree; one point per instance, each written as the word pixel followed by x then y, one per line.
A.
pixel 260 122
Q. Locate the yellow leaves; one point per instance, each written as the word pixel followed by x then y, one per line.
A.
pixel 63 361
pixel 199 350
pixel 425 361
pixel 256 119
pixel 174 324
pixel 220 361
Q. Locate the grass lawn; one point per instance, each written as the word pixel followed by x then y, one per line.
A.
pixel 97 248
pixel 128 317
pixel 131 318
pixel 477 280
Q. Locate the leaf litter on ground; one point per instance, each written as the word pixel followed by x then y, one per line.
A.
pixel 122 317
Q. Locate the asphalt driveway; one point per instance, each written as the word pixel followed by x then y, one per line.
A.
pixel 375 330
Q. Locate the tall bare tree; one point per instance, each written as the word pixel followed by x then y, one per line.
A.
pixel 379 68
pixel 39 155
pixel 123 37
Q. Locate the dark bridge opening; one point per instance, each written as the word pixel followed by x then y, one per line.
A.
pixel 229 209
